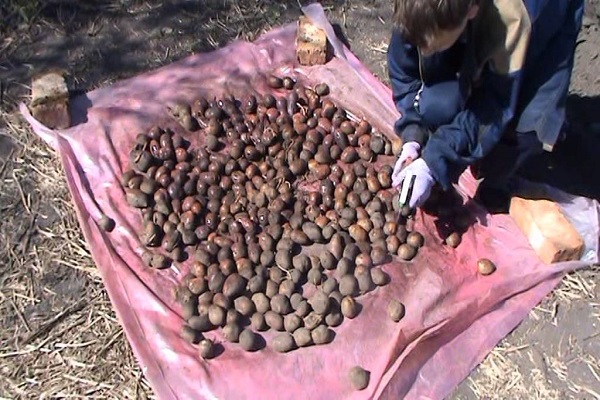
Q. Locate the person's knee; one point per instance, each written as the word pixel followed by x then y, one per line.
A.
pixel 440 103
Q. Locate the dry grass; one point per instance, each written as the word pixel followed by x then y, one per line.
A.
pixel 60 336
pixel 15 12
pixel 520 368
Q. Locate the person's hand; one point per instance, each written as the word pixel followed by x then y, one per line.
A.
pixel 410 152
pixel 423 182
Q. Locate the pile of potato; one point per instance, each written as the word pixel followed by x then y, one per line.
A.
pixel 282 209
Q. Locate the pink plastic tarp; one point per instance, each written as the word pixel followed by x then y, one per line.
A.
pixel 454 315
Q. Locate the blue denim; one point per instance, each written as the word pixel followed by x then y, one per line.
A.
pixel 440 102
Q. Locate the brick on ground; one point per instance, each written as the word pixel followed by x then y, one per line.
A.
pixel 311 43
pixel 50 100
pixel 549 232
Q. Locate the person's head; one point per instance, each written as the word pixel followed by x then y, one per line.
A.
pixel 433 25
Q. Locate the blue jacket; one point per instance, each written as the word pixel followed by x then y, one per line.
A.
pixel 513 62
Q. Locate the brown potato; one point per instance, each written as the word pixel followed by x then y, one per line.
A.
pixel 257 284
pixel 349 155
pixel 363 276
pixel 295 300
pixel 396 310
pixel 275 82
pixel 136 198
pixel 302 337
pixel 288 82
pixel 359 378
pixel 349 307
pixel 364 260
pixel 322 89
pixel 216 281
pixel 276 275
pixel 233 317
pixel 272 288
pixel 244 306
pixel 415 239
pixel 298 167
pixel 351 251
pixel 258 322
pixel 216 315
pixel 348 285
pixel 328 260
pixel 206 349
pixel 234 286
pixel 261 302
pixel 281 304
pixel 301 262
pixel 315 276
pixel 358 233
pixel 379 255
pixel 205 298
pixel 300 237
pixel 336 246
pixel 303 309
pixel 321 335
pixel 485 266
pixel 283 258
pixel 283 342
pixel 106 223
pixel 392 244
pixel 200 323
pixel 319 302
pixel 453 240
pixel 291 322
pixel 312 320
pixel 197 285
pixel 334 318
pixel 329 285
pixel 222 301
pixel 231 333
pixel 379 277
pixel 312 231
pixel 190 335
pixel 248 340
pixel 287 287
pixel 188 309
pixel 407 252
pixel 274 320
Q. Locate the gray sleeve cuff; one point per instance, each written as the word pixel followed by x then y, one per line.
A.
pixel 414 133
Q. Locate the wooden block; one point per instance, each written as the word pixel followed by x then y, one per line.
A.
pixel 549 232
pixel 50 100
pixel 311 43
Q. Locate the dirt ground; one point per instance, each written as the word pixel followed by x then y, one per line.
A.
pixel 59 336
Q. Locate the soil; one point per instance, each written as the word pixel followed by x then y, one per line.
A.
pixel 57 323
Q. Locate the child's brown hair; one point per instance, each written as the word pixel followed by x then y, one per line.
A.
pixel 418 20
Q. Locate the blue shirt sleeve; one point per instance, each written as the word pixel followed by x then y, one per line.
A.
pixel 403 69
pixel 474 131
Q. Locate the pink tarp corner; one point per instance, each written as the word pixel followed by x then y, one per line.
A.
pixel 454 316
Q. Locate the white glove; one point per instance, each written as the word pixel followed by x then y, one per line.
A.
pixel 410 152
pixel 423 182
